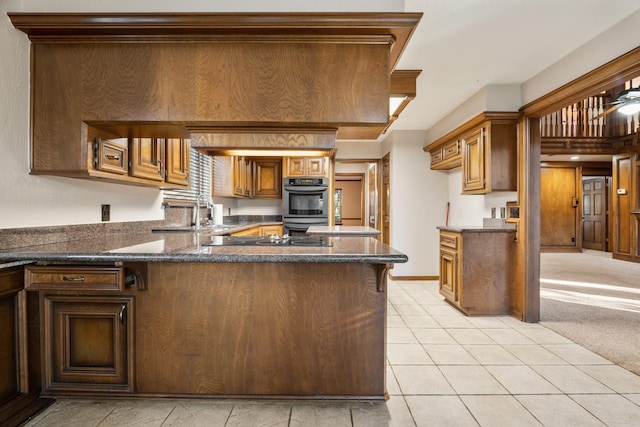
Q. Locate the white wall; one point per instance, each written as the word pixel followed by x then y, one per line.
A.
pixel 470 209
pixel 610 44
pixel 489 98
pixel 28 200
pixel 418 203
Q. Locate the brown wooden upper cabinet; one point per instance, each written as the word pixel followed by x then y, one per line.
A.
pixel 485 148
pixel 267 174
pixel 306 166
pixel 241 176
pixel 155 162
pixel 162 162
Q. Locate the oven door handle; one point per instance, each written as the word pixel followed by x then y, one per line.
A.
pixel 304 188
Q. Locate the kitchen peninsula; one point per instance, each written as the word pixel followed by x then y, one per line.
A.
pixel 180 314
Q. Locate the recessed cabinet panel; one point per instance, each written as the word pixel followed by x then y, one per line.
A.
pixel 315 166
pixel 88 343
pixel 177 158
pixel 449 274
pixel 146 155
pixel 268 178
pixel 473 167
pixel 296 166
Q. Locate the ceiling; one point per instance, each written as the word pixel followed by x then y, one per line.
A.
pixel 461 46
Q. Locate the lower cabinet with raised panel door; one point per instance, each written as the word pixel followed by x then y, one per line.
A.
pixel 87 326
pixel 88 343
pixel 476 269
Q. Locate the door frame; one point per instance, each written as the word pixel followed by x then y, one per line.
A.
pixel 611 74
pixel 378 178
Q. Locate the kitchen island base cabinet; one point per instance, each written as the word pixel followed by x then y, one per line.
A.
pixel 274 330
pixel 476 270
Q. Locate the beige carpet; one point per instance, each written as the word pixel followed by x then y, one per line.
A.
pixel 593 300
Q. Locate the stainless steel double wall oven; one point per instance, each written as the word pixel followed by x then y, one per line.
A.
pixel 306 203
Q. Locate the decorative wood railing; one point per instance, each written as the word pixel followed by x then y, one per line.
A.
pixel 579 128
pixel 577 120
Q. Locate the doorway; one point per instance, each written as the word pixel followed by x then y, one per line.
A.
pixel 349 203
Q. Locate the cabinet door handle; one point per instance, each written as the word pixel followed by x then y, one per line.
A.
pixel 111 157
pixel 122 316
pixel 73 279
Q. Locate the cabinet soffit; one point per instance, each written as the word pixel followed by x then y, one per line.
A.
pixel 363 114
pixel 394 29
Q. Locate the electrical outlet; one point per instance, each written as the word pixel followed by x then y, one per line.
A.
pixel 106 212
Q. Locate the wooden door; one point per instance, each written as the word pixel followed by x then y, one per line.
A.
pixel 386 197
pixel 473 169
pixel 146 158
pixel 177 159
pixel 622 206
pixel 559 223
pixel 594 213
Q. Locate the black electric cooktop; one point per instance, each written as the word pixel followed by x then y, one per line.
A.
pixel 269 241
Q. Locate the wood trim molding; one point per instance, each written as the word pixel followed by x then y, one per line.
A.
pixel 613 73
pixel 394 29
pixel 472 123
pixel 408 278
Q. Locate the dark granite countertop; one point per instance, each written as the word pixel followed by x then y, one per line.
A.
pixel 192 247
pixel 342 230
pixel 476 229
pixel 215 230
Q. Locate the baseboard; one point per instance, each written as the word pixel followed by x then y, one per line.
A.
pixel 559 249
pixel 392 277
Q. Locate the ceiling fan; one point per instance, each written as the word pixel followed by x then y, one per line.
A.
pixel 627 102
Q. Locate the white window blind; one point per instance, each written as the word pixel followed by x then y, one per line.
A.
pixel 199 180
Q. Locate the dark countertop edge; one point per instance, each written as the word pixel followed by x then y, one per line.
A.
pixel 244 258
pixel 208 229
pixel 337 231
pixel 343 233
pixel 5 265
pixel 475 229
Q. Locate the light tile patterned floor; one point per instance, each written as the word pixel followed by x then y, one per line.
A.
pixel 444 369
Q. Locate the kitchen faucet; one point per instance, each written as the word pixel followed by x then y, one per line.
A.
pixel 196 213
